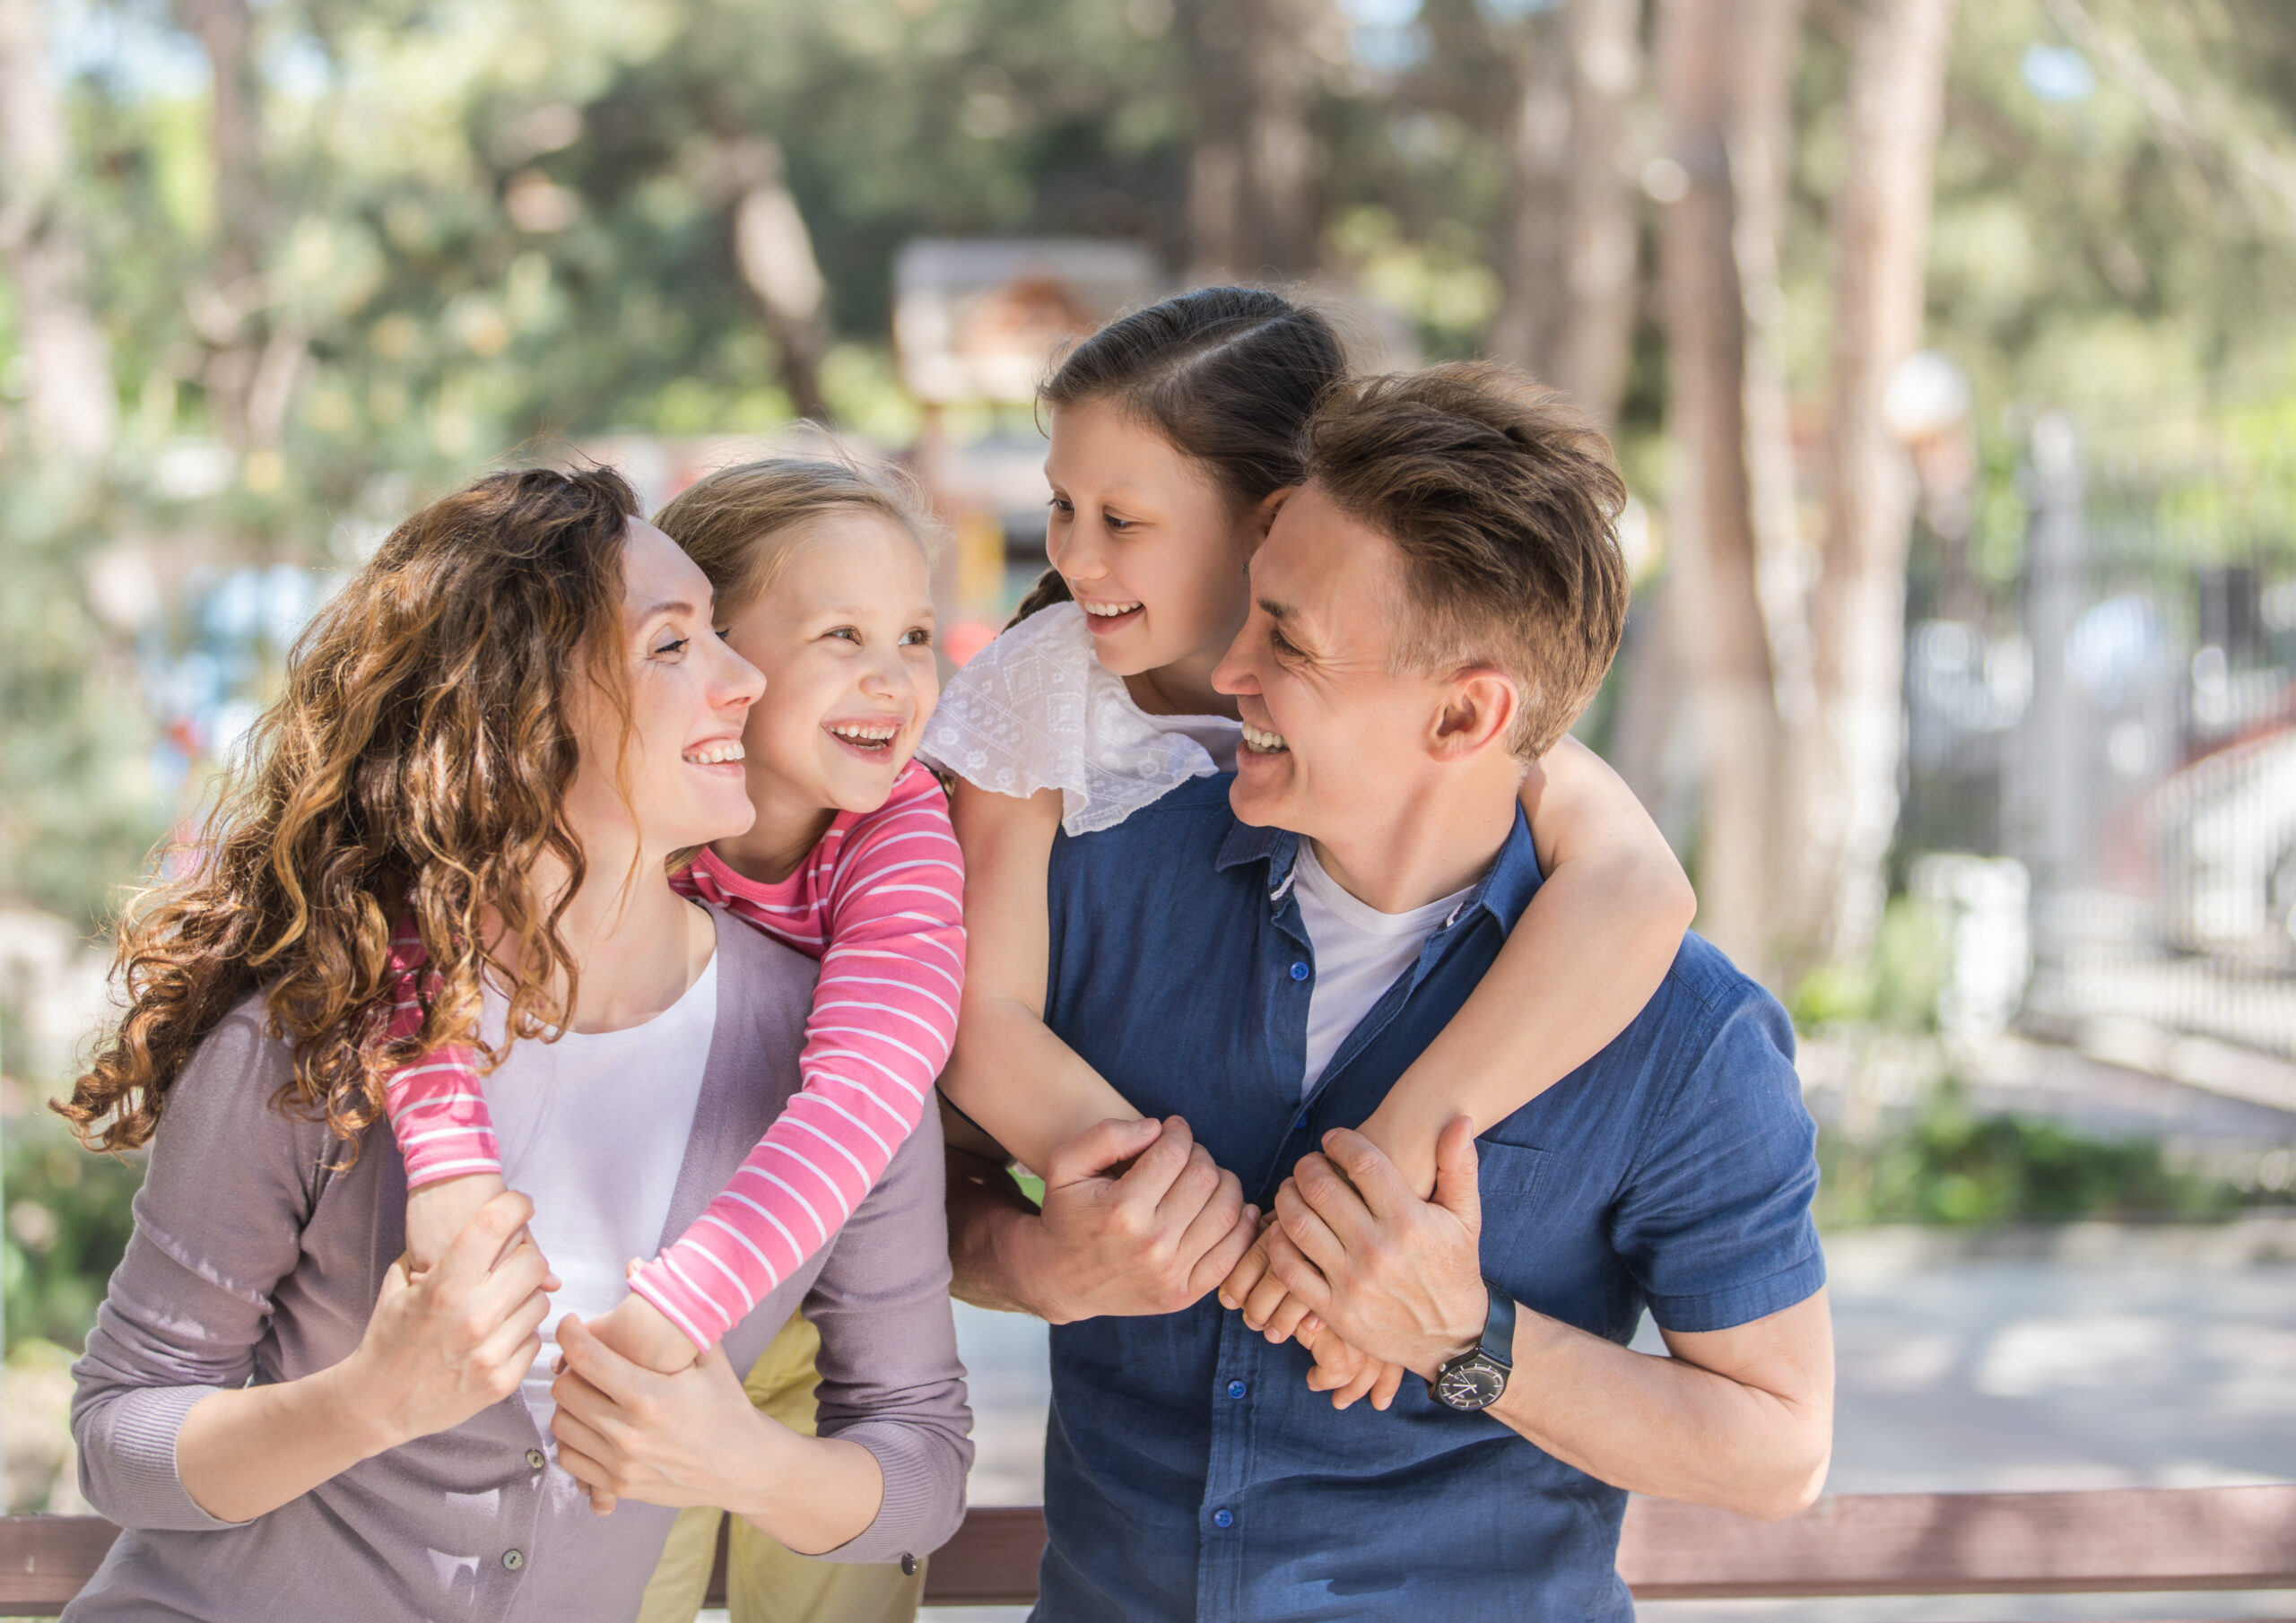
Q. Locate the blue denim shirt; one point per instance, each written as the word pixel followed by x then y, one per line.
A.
pixel 1189 1471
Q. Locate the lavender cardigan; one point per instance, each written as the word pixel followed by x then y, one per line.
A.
pixel 251 1260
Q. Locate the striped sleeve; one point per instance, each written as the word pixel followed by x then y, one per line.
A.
pixel 437 1112
pixel 888 925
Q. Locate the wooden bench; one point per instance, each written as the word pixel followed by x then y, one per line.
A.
pixel 2122 1540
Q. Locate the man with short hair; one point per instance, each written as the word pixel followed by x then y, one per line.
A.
pixel 1263 957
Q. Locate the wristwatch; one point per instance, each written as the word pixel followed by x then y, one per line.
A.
pixel 1477 1378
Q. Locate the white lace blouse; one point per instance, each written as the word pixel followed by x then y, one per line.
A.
pixel 1035 709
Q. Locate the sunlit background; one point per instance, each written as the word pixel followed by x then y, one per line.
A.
pixel 1950 352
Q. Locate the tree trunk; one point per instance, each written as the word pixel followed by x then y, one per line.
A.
pixel 1767 45
pixel 72 410
pixel 1252 178
pixel 251 373
pixel 1881 220
pixel 1529 328
pixel 1598 340
pixel 1571 300
pixel 1717 607
pixel 775 252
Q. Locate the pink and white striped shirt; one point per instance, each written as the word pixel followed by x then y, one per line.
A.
pixel 880 901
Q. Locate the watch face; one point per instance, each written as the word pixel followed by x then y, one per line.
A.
pixel 1473 1382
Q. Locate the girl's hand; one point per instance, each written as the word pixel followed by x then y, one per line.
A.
pixel 1259 1295
pixel 461 1336
pixel 1344 1372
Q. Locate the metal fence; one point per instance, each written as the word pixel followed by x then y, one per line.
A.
pixel 2115 714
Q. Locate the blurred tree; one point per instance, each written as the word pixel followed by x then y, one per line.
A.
pixel 71 408
pixel 1881 222
pixel 1568 260
pixel 1717 611
pixel 1254 209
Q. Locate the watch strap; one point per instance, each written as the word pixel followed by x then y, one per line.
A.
pixel 1497 1342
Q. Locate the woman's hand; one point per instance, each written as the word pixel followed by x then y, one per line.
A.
pixel 460 1337
pixel 436 1350
pixel 693 1438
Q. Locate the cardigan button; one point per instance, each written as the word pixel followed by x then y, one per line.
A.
pixel 513 1559
pixel 537 1459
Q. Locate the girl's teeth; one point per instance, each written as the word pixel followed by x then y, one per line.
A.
pixel 871 737
pixel 714 755
pixel 1109 611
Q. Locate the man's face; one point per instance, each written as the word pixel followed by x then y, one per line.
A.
pixel 1334 740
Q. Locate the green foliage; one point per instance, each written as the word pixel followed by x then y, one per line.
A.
pixel 67 1222
pixel 1897 987
pixel 1949 1166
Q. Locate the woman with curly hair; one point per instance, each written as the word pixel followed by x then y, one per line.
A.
pixel 490 744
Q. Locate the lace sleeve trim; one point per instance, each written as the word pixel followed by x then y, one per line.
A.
pixel 1035 709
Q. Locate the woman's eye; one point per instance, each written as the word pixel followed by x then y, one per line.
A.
pixel 668 648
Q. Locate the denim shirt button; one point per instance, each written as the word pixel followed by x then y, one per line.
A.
pixel 1299 972
pixel 1236 1389
pixel 1224 1518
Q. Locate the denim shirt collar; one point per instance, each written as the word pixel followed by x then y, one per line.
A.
pixel 1505 889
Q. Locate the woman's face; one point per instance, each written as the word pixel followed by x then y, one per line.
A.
pixel 689 696
pixel 1145 540
pixel 844 635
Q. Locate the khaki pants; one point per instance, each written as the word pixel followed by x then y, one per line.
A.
pixel 764 1581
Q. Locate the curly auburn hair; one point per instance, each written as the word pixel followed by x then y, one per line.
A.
pixel 416 766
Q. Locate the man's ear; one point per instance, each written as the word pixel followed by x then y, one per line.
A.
pixel 1479 708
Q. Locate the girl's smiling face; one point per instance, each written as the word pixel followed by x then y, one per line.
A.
pixel 1147 544
pixel 844 635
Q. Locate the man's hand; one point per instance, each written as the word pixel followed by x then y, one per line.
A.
pixel 1152 1240
pixel 1398 1278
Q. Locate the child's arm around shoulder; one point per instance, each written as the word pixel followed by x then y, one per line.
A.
pixel 1586 955
pixel 1010 1073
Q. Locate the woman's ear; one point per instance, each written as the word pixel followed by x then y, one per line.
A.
pixel 1264 514
pixel 1479 708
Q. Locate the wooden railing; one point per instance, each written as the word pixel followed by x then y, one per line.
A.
pixel 2167 1541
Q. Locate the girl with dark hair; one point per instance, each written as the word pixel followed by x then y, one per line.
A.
pixel 499 731
pixel 1175 433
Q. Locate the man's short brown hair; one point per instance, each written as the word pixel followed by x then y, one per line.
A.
pixel 1504 502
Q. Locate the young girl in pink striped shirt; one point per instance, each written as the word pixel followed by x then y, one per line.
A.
pixel 821 583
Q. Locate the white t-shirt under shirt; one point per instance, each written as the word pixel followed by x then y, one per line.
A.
pixel 593 1128
pixel 1360 953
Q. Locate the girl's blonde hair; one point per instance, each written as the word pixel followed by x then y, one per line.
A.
pixel 740 524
